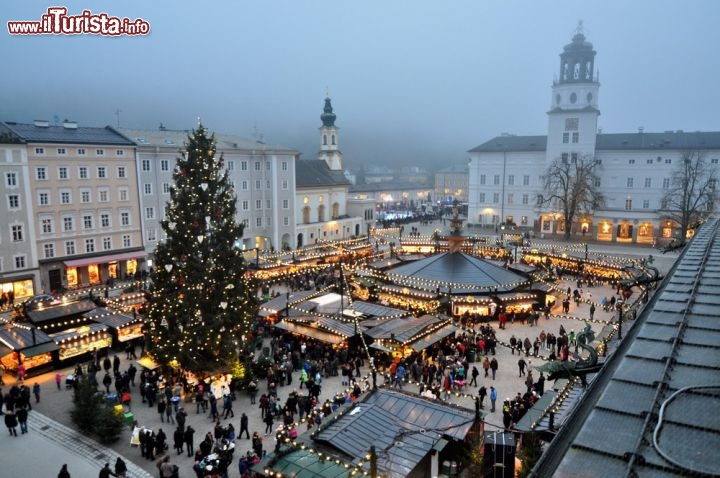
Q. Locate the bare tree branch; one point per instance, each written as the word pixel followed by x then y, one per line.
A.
pixel 692 193
pixel 571 185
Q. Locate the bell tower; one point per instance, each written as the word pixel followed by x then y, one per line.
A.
pixel 330 139
pixel 573 116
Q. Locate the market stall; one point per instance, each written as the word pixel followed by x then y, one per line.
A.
pixel 23 344
pixel 81 340
pixel 123 327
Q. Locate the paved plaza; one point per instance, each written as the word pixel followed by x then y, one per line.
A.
pixel 51 440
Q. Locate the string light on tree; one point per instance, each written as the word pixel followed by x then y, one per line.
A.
pixel 201 303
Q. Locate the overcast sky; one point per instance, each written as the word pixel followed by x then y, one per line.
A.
pixel 412 81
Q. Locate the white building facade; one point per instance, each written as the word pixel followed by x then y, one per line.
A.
pixel 263 177
pixel 322 212
pixel 19 272
pixel 506 172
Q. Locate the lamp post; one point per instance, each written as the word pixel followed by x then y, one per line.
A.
pixel 619 307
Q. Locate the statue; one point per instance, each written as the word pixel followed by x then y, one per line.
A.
pixel 569 368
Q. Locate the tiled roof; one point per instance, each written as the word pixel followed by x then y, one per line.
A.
pixel 403 428
pixel 60 311
pixel 447 269
pixel 315 172
pixel 657 401
pixel 671 140
pixel 168 138
pixel 30 133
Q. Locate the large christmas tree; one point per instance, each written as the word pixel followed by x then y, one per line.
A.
pixel 201 303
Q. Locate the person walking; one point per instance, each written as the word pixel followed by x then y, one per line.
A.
pixel 11 422
pixel 58 380
pixel 36 392
pixel 486 366
pixel 64 473
pixel 475 373
pixel 22 416
pixel 482 392
pixel 189 432
pixel 521 366
pixel 592 311
pixel 178 440
pixel 161 407
pixel 493 398
pixel 120 468
pixel 244 426
pixel 180 418
pixel 228 406
pixel 269 420
pixel 494 367
pixel 106 472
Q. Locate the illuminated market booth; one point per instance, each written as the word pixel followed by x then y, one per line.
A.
pixel 405 335
pixel 454 280
pixel 324 317
pixel 123 327
pixel 74 333
pixel 22 343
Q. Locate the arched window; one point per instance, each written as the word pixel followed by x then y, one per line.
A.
pixel 324 140
pixel 335 210
pixel 332 138
pixel 306 215
pixel 321 213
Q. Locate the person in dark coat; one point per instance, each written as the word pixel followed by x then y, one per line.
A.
pixel 11 422
pixel 106 472
pixel 64 473
pixel 116 365
pixel 244 426
pixel 180 418
pixel 160 439
pixel 189 432
pixel 107 365
pixel 22 416
pixel 178 440
pixel 107 381
pixel 120 468
pixel 150 445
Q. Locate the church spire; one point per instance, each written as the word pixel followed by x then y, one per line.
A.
pixel 328 117
pixel 329 138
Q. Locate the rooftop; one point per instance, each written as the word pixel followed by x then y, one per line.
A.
pixel 672 140
pixel 66 133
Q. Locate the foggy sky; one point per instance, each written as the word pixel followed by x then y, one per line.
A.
pixel 412 81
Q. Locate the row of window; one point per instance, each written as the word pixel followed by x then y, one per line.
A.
pixel 63 173
pixel 510 179
pixel 88 246
pixel 40 151
pixel 47 224
pixel 245 204
pixel 65 196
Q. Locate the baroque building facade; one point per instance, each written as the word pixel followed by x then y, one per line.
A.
pixel 635 169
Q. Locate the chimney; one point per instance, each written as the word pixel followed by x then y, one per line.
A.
pixel 42 123
pixel 67 124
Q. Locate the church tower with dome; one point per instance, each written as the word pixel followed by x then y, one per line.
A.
pixel 330 139
pixel 573 116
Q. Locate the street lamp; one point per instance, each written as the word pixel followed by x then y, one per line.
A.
pixel 619 307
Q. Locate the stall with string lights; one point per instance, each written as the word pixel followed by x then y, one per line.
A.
pixel 24 344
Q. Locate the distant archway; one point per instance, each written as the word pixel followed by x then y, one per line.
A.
pixel 299 240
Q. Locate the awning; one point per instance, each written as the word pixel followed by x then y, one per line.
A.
pixel 39 349
pixel 105 259
pixel 426 341
pixel 326 337
pixel 532 417
pixel 5 350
